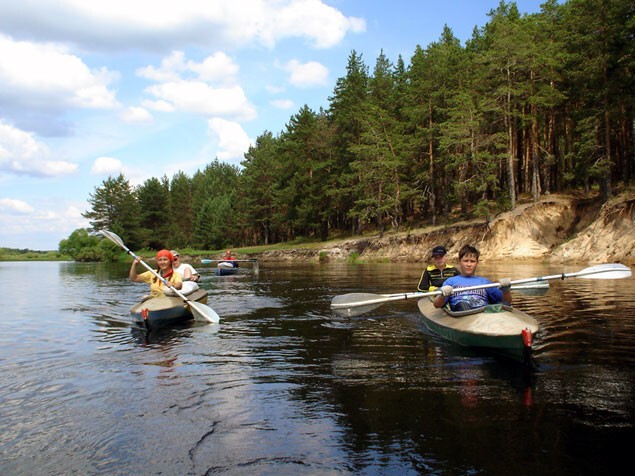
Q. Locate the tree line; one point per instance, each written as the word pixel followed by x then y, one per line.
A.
pixel 531 104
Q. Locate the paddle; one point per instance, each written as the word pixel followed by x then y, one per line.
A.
pixel 199 310
pixel 601 271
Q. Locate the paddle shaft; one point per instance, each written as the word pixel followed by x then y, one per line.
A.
pixel 208 261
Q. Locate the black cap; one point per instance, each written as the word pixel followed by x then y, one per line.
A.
pixel 439 250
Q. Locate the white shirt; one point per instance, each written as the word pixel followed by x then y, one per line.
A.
pixel 184 266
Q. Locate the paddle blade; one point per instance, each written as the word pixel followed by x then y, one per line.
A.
pixel 202 312
pixel 344 301
pixel 355 311
pixel 113 237
pixel 606 271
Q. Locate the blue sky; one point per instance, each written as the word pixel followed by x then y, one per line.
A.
pixel 89 89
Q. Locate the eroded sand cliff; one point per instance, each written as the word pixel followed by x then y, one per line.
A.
pixel 555 229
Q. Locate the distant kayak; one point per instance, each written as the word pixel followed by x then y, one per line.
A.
pixel 226 268
pixel 229 267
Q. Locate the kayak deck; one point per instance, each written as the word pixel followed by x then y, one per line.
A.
pixel 501 330
pixel 166 310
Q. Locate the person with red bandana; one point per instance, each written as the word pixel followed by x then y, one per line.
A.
pixel 165 270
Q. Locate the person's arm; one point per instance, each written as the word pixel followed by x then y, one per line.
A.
pixel 424 282
pixel 187 273
pixel 506 288
pixel 441 299
pixel 134 277
pixel 193 274
pixel 176 281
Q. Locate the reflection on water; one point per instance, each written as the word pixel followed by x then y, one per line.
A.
pixel 285 386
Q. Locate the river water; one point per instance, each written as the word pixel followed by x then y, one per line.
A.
pixel 285 387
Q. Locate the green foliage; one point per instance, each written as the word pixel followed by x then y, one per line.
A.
pixel 115 208
pixel 14 254
pixel 83 246
pixel 353 258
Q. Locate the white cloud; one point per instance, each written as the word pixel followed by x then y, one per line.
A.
pixel 171 68
pixel 305 75
pixel 47 76
pixel 106 166
pixel 136 115
pixel 322 24
pixel 41 227
pixel 21 153
pixel 207 88
pixel 154 25
pixel 233 141
pixel 200 98
pixel 217 68
pixel 17 206
pixel 282 103
pixel 160 105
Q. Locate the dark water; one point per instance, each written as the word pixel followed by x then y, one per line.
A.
pixel 285 387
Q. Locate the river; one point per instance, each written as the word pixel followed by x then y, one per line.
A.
pixel 286 387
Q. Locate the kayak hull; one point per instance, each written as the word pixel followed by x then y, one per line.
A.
pixel 225 271
pixel 166 310
pixel 501 332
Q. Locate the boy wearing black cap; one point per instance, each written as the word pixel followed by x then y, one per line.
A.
pixel 435 274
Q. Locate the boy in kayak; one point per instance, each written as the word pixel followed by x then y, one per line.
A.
pixel 466 300
pixel 435 274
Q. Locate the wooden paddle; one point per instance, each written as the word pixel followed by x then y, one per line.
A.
pixel 351 300
pixel 199 310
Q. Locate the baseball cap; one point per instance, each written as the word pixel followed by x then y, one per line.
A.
pixel 439 250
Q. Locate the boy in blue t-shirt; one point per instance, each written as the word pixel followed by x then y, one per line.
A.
pixel 466 300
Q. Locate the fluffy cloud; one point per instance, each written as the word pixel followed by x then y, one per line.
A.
pixel 233 141
pixel 22 154
pixel 136 115
pixel 282 103
pixel 155 25
pixel 217 68
pixel 200 98
pixel 11 205
pixel 207 88
pixel 48 77
pixel 305 75
pixel 106 166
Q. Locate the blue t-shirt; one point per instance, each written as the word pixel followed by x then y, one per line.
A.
pixel 475 297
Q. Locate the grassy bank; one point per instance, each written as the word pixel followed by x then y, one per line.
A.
pixel 11 254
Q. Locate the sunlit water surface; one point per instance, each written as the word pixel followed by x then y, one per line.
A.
pixel 285 387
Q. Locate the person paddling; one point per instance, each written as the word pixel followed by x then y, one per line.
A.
pixel 466 300
pixel 228 258
pixel 165 270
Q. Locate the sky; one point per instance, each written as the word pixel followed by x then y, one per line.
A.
pixel 147 88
